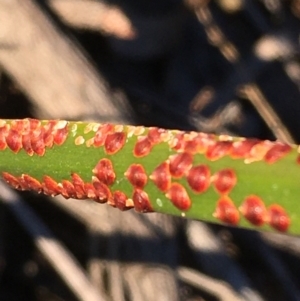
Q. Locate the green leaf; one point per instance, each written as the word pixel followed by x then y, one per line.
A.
pixel 242 182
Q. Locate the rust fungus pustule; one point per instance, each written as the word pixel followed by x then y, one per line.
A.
pixel 277 151
pixel 180 164
pixel 60 132
pixel 37 142
pixel 120 200
pixel 104 171
pixel 224 180
pixel 241 148
pixel 179 197
pixel 178 142
pixel 226 211
pixel 136 175
pixel 141 201
pixel 254 210
pixel 142 147
pixel 67 189
pixel 14 140
pixel 199 178
pixel 278 218
pixel 90 191
pixel 4 128
pixel 155 135
pixel 50 186
pixel 161 176
pixel 218 150
pixel 102 191
pixel 198 142
pixel 78 184
pixel 11 180
pixel 114 142
pixel 32 183
pixel 101 134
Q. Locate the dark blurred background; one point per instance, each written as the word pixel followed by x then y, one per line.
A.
pixel 222 66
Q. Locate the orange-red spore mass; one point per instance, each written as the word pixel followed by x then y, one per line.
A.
pixel 90 191
pixel 119 199
pixel 218 150
pixel 179 197
pixel 241 149
pixel 79 186
pixel 114 142
pixel 11 180
pixel 68 190
pixel 178 142
pixel 276 152
pixel 102 191
pixel 101 134
pixel 136 175
pixel 180 164
pixel 14 140
pixel 161 176
pixel 254 210
pixel 3 134
pixel 142 147
pixel 37 142
pixel 32 183
pixel 224 180
pixel 60 135
pixel 278 218
pixel 141 201
pixel 104 171
pixel 226 211
pixel 199 178
pixel 154 135
pixel 50 186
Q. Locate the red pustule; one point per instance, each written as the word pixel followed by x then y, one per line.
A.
pixel 178 142
pixel 35 123
pixel 101 134
pixel 60 132
pixel 11 180
pixel 114 142
pixel 278 218
pixel 241 149
pixel 197 142
pixel 141 201
pixel 78 184
pixel 14 140
pixel 136 175
pixel 90 191
pixel 180 164
pixel 179 197
pixel 37 142
pixel 258 151
pixel 102 191
pixel 50 186
pixel 26 143
pixel 224 180
pixel 32 183
pixel 226 211
pixel 120 200
pixel 254 210
pixel 199 178
pixel 218 150
pixel 67 189
pixel 4 129
pixel 142 147
pixel 155 135
pixel 48 136
pixel 161 176
pixel 276 152
pixel 104 171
